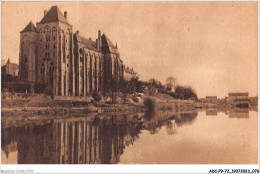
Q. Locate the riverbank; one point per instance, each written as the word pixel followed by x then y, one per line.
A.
pixel 38 104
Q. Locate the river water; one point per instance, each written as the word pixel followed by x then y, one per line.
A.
pixel 185 137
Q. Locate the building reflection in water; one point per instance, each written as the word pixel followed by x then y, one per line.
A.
pixel 239 113
pixel 71 142
pixel 211 112
pixel 99 141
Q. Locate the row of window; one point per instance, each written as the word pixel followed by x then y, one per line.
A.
pixel 88 53
pixel 47 54
pixel 48 38
pixel 47 46
pixel 47 29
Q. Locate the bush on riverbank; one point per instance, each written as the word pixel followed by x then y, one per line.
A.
pixel 96 97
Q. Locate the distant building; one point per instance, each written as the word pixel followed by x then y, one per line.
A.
pixel 222 100
pixel 10 69
pixel 238 98
pixel 211 99
pixel 211 112
pixel 239 113
pixel 253 100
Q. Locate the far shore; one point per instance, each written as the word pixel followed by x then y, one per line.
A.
pixel 34 105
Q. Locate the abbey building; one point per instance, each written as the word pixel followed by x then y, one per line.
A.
pixel 52 56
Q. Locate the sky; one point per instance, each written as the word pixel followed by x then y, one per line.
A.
pixel 210 46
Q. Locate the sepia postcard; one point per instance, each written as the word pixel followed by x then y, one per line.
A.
pixel 147 82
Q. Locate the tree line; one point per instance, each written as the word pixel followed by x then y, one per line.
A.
pixel 153 86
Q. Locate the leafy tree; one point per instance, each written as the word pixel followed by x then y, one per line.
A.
pixel 96 97
pixel 123 87
pixel 185 93
pixel 114 89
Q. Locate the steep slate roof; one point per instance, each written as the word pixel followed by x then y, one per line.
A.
pixel 54 14
pixel 108 46
pixel 238 94
pixel 29 27
pixel 87 43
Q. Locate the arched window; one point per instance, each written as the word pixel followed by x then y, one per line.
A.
pixel 42 68
pixel 46 29
pixel 54 29
pixel 47 37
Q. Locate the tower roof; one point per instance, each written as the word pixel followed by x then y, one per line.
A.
pixel 29 27
pixel 54 14
pixel 108 46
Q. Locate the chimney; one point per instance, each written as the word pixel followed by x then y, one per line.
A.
pixel 66 14
pixel 99 40
pixel 45 12
pixel 97 44
pixel 90 38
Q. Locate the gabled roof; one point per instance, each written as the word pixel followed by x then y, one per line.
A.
pixel 108 46
pixel 11 64
pixel 87 43
pixel 29 27
pixel 54 14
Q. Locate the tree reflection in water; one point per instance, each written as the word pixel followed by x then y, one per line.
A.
pixel 154 122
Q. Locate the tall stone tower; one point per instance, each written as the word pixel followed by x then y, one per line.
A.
pixel 28 53
pixel 61 63
pixel 55 58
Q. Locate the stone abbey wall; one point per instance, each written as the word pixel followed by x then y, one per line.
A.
pixel 65 63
